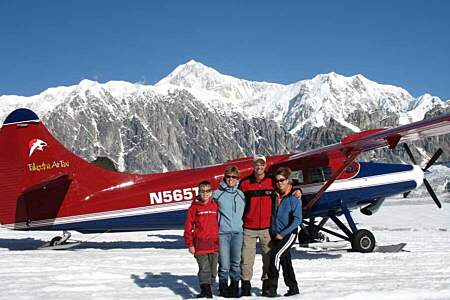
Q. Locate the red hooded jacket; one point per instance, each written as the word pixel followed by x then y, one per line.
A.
pixel 201 228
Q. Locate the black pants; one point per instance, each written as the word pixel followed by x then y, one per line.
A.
pixel 280 256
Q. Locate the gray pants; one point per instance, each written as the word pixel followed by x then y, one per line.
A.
pixel 249 252
pixel 207 267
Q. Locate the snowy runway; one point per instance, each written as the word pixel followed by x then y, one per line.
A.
pixel 156 265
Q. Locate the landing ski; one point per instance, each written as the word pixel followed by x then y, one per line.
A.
pixel 64 246
pixel 390 248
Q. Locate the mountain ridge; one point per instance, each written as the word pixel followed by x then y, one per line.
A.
pixel 150 128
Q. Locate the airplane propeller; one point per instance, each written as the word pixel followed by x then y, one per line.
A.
pixel 425 181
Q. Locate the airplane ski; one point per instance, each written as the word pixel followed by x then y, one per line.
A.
pixel 345 246
pixel 65 246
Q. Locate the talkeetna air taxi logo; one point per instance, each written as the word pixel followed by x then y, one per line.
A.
pixel 45 166
pixel 36 144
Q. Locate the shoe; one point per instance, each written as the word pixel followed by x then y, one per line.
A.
pixel 292 292
pixel 233 291
pixel 246 288
pixel 271 292
pixel 265 287
pixel 206 291
pixel 223 289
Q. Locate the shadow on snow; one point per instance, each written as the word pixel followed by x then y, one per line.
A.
pixel 181 285
pixel 167 242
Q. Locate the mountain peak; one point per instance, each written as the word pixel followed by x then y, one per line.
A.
pixel 87 83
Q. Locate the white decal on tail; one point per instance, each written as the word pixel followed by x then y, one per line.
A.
pixel 36 144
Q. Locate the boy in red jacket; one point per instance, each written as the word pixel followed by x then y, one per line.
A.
pixel 201 235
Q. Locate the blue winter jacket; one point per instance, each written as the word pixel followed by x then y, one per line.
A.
pixel 231 208
pixel 286 216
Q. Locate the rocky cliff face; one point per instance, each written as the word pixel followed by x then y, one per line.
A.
pixel 160 133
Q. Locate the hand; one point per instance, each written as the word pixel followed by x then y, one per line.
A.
pixel 278 237
pixel 192 250
pixel 297 194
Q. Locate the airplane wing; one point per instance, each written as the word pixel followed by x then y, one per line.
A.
pixel 370 140
pixel 351 146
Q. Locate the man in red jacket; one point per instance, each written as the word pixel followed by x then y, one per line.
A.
pixel 201 235
pixel 257 189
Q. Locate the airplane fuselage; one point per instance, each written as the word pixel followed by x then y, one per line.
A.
pixel 161 202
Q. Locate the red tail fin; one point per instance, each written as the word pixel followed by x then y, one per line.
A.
pixel 38 174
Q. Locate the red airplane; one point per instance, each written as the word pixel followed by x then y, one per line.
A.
pixel 46 187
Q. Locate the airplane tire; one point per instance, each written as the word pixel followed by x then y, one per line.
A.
pixel 55 241
pixel 363 241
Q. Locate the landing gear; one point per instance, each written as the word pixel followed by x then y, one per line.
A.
pixel 55 241
pixel 363 241
pixel 60 242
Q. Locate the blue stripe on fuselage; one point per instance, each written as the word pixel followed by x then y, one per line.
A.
pixel 372 169
pixel 353 198
pixel 154 221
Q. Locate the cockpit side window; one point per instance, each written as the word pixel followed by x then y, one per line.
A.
pixel 319 174
pixel 297 177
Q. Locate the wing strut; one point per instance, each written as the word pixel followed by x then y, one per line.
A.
pixel 350 158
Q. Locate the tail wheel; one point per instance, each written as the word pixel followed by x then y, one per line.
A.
pixel 363 241
pixel 55 241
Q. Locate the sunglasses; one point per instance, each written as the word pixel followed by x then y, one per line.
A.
pixel 231 176
pixel 205 191
pixel 280 180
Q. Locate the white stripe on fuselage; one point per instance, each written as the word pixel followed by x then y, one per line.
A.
pixel 416 174
pixel 138 211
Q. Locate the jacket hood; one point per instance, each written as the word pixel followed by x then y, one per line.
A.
pixel 224 186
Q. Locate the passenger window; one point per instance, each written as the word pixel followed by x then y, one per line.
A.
pixel 297 177
pixel 320 174
pixel 327 173
pixel 316 175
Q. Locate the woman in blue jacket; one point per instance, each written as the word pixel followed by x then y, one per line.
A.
pixel 286 217
pixel 231 208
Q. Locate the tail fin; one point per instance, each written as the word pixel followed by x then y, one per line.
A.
pixel 38 174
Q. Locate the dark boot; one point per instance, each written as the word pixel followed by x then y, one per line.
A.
pixel 292 291
pixel 246 288
pixel 223 289
pixel 271 292
pixel 272 288
pixel 234 289
pixel 206 291
pixel 265 287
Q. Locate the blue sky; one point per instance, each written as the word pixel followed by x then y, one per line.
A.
pixel 52 43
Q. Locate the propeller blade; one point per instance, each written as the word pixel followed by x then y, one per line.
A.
pixel 409 153
pixel 433 159
pixel 432 194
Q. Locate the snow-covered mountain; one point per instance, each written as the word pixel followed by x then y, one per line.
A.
pixel 197 116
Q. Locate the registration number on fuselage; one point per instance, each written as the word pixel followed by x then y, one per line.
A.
pixel 173 195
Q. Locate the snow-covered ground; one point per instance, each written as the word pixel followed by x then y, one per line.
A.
pixel 156 265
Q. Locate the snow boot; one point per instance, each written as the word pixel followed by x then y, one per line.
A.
pixel 265 287
pixel 292 291
pixel 246 287
pixel 223 289
pixel 234 289
pixel 206 291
